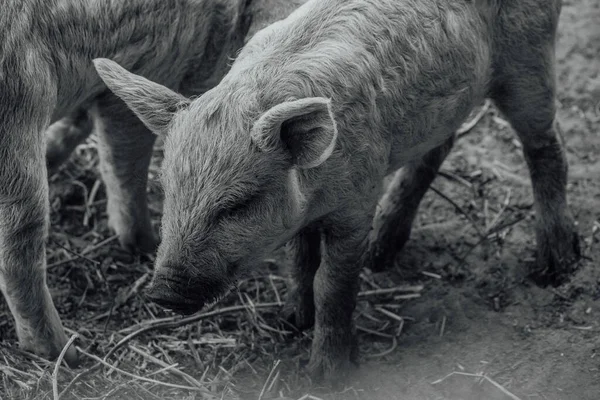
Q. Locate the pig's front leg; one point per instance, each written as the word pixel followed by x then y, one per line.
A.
pixel 334 347
pixel 125 151
pixel 304 258
pixel 24 224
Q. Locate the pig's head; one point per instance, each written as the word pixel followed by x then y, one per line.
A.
pixel 232 188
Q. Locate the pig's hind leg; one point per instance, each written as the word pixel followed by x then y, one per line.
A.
pixel 399 205
pixel 125 149
pixel 524 89
pixel 64 135
pixel 304 257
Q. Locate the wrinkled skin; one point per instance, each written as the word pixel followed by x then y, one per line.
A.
pixel 294 142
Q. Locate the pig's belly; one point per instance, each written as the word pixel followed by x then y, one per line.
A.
pixel 415 138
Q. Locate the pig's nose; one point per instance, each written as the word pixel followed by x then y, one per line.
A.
pixel 162 294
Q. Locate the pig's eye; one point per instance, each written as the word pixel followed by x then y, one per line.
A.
pixel 237 208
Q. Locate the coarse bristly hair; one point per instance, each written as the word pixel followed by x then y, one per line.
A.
pixel 316 110
pixel 46 73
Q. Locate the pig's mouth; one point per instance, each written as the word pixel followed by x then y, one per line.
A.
pixel 217 299
pixel 190 298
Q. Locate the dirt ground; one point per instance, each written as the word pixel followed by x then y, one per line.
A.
pixel 477 314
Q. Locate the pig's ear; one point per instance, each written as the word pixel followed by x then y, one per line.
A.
pixel 154 104
pixel 306 128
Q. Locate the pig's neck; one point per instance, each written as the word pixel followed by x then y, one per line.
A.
pixel 330 187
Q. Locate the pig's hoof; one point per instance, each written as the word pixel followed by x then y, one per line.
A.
pixel 136 240
pixel 51 349
pixel 385 246
pixel 557 256
pixel 382 252
pixel 135 232
pixel 333 359
pixel 299 311
pixel 139 242
pixel 379 260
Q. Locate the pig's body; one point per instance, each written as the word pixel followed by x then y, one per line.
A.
pixel 394 99
pixel 50 44
pixel 295 140
pixel 229 25
pixel 46 72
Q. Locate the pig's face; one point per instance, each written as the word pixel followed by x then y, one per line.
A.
pixel 227 202
pixel 233 192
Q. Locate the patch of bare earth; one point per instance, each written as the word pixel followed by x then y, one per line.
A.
pixel 463 322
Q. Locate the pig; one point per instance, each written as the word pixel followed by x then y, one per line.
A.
pixel 66 134
pixel 294 142
pixel 46 76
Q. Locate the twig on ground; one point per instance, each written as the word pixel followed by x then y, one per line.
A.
pixel 77 255
pixel 141 378
pixel 407 296
pixel 368 280
pixel 61 356
pixel 488 234
pixel 393 316
pixel 309 397
pixel 84 252
pixel 431 274
pixel 190 379
pixel 168 368
pixel 90 200
pixel 400 328
pixel 274 289
pixel 165 323
pixel 390 314
pixel 371 317
pixel 385 352
pixel 85 192
pixel 505 204
pixel 269 378
pixel 443 327
pixel 467 126
pixel 397 289
pixel 175 322
pixel 453 177
pixel 480 376
pixel 459 209
pixel 374 332
pixel 15 370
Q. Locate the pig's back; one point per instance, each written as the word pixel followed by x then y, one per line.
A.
pixel 406 67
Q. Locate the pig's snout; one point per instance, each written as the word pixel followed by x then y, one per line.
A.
pixel 185 294
pixel 172 301
pixel 174 294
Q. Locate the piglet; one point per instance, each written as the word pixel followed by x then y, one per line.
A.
pixel 293 144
